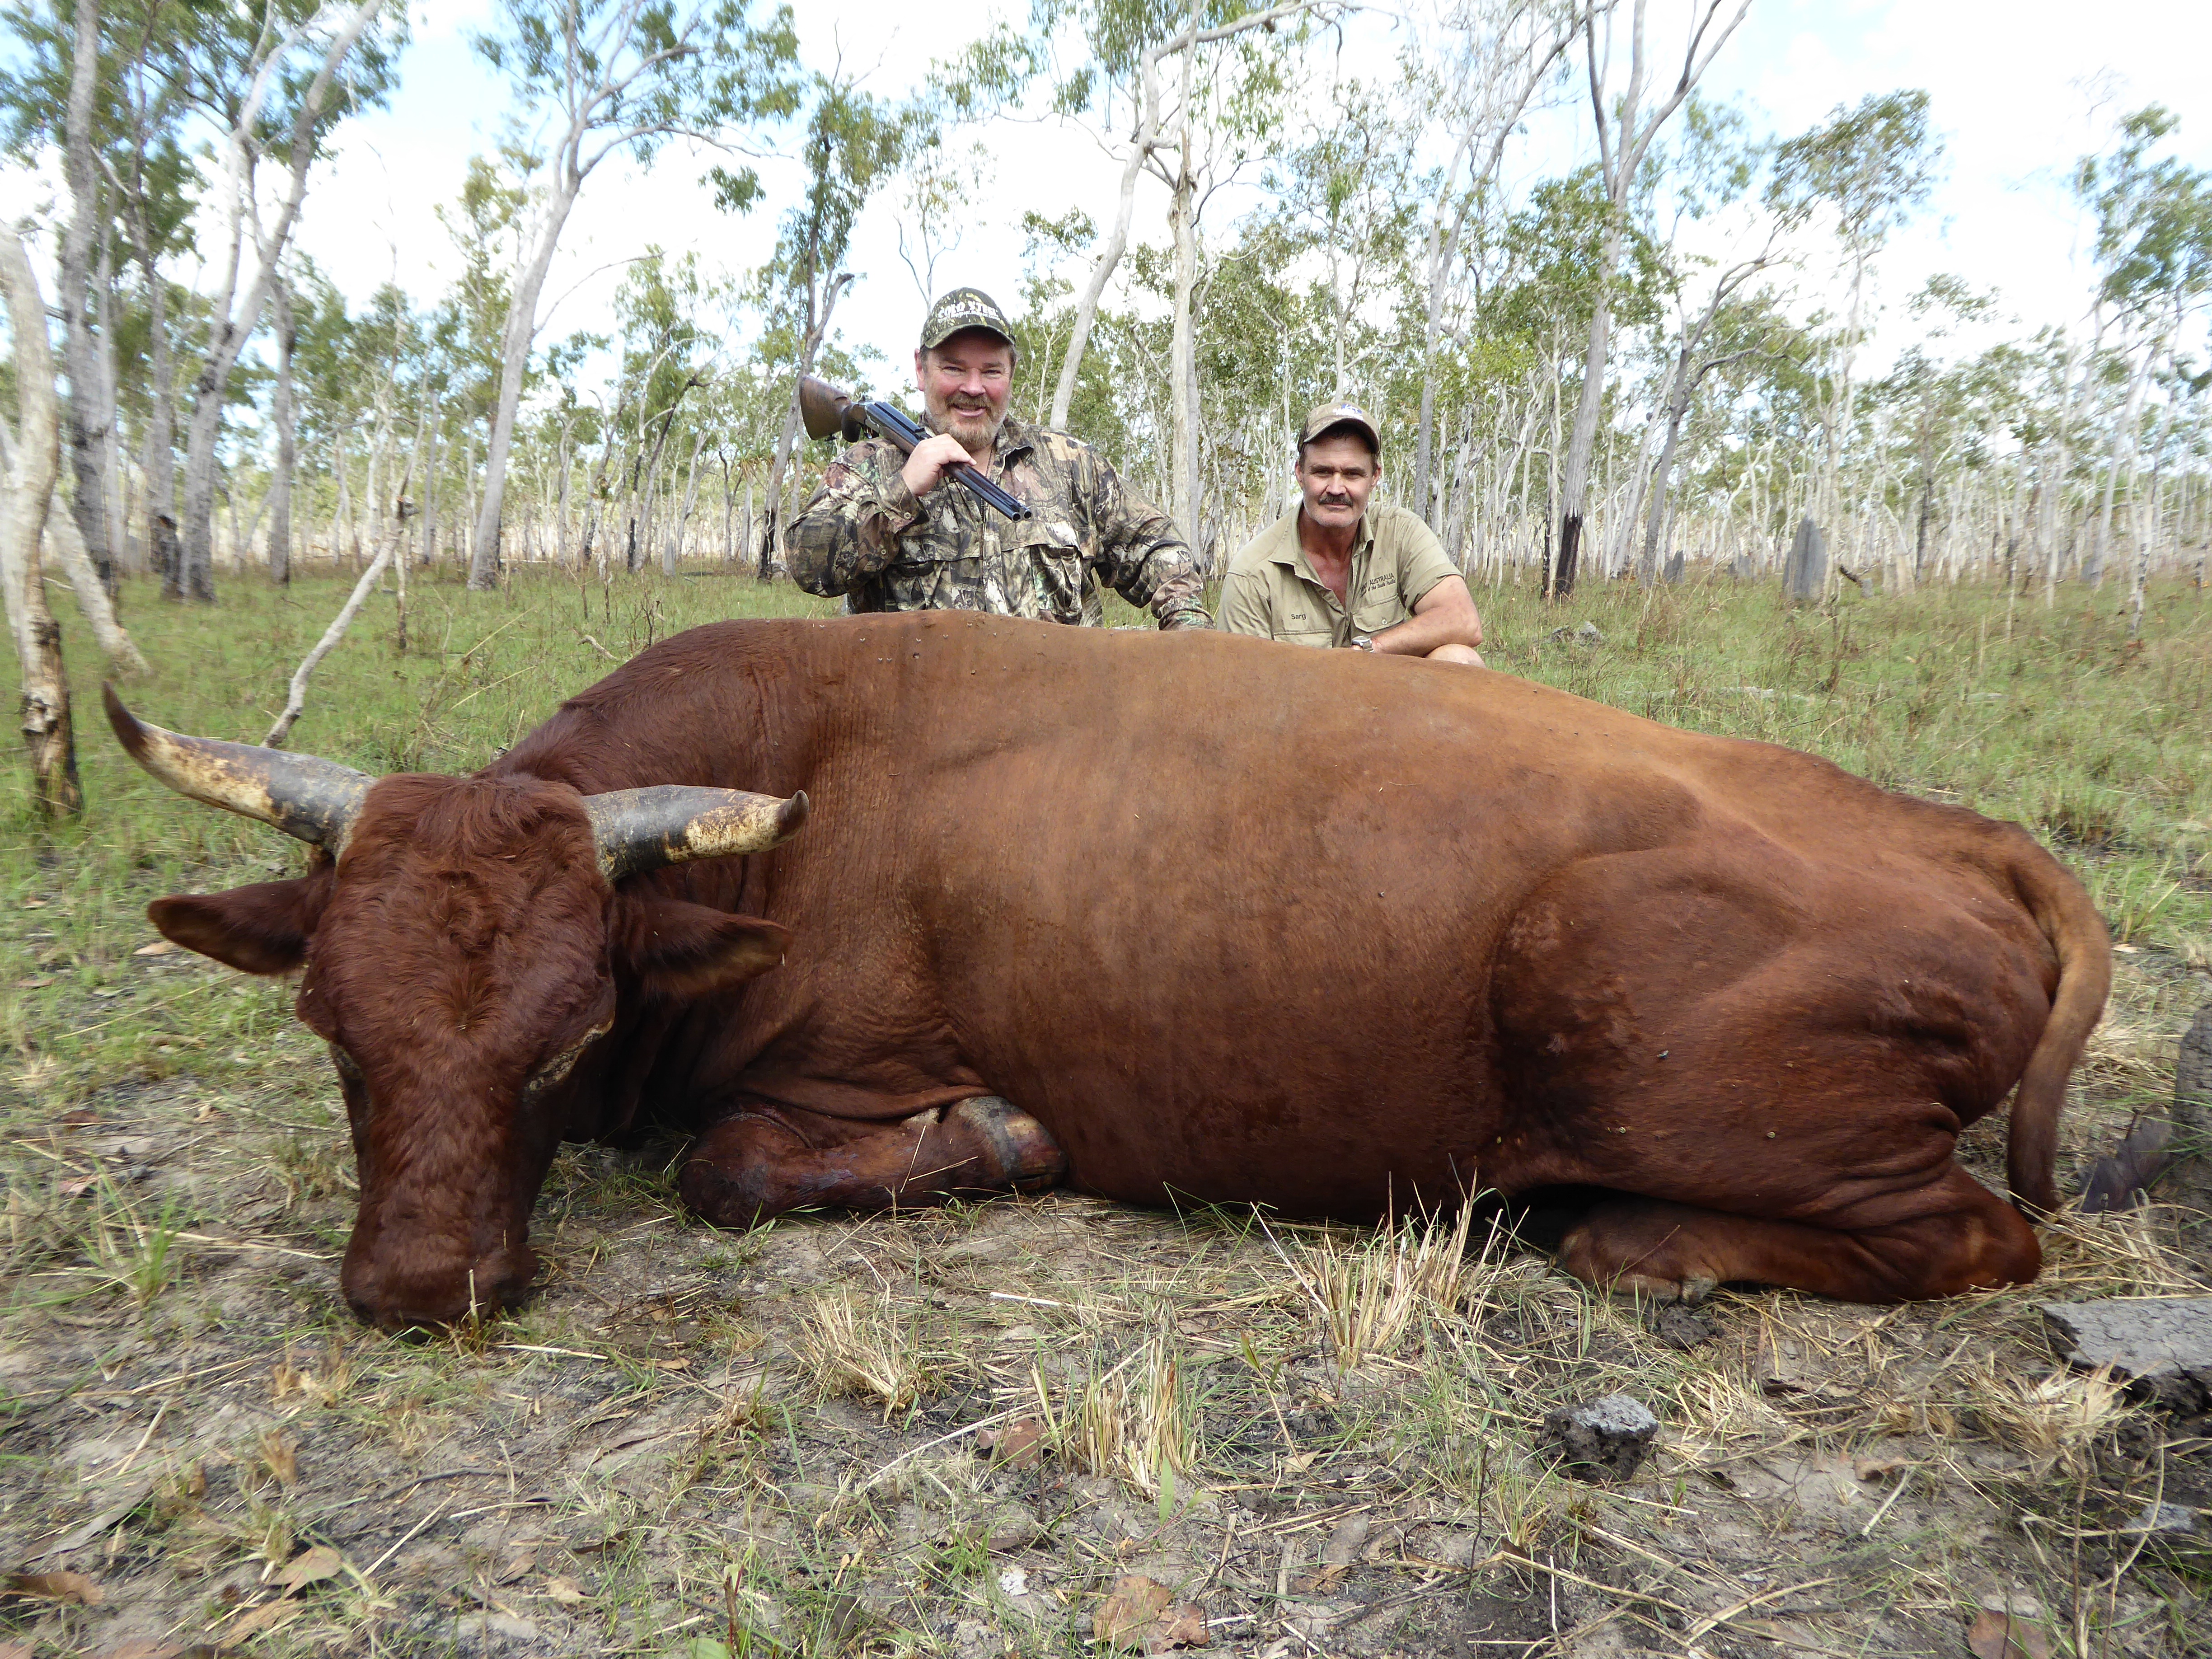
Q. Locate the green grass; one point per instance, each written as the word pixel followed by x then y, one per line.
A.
pixel 2054 718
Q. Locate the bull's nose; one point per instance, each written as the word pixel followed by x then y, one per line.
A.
pixel 395 1301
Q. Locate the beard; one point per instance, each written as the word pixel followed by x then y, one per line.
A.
pixel 975 429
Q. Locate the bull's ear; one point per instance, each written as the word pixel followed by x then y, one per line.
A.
pixel 682 949
pixel 261 929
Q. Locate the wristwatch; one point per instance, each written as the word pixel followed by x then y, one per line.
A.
pixel 1362 642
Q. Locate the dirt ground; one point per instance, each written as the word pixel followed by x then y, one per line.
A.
pixel 1276 1441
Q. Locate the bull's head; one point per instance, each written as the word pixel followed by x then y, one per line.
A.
pixel 462 939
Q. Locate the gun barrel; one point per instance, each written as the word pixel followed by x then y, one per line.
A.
pixel 829 413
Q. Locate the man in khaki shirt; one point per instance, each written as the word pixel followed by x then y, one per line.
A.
pixel 1333 572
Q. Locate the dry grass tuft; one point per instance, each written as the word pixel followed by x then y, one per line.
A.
pixel 2054 1420
pixel 2121 1252
pixel 1133 1421
pixel 1368 1293
pixel 858 1346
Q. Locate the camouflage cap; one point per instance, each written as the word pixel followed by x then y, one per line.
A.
pixel 961 308
pixel 1326 416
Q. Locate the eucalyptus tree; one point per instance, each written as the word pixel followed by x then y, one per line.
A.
pixel 1712 171
pixel 1626 123
pixel 618 78
pixel 30 458
pixel 1203 86
pixel 1346 196
pixel 1870 167
pixel 2153 254
pixel 1496 57
pixel 274 85
pixel 855 145
pixel 68 88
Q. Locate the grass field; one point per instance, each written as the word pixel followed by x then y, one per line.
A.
pixel 694 1443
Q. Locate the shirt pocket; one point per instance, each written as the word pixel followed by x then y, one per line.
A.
pixel 1051 554
pixel 1379 607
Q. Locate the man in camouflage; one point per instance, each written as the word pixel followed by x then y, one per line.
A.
pixel 891 532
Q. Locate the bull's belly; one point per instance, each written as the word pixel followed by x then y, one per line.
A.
pixel 1349 1158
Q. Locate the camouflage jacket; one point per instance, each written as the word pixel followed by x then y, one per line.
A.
pixel 865 535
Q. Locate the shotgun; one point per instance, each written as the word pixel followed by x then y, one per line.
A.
pixel 829 413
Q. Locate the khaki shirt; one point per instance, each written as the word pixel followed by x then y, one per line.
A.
pixel 864 536
pixel 1270 589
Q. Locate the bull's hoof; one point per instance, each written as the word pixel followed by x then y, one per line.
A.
pixel 1029 1159
pixel 1597 1259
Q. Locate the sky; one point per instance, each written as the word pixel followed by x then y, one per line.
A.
pixel 2017 91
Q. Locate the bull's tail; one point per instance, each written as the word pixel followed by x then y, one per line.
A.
pixel 2063 909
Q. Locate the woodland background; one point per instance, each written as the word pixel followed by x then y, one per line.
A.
pixel 1657 349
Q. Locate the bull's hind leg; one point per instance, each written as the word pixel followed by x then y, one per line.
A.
pixel 1962 1236
pixel 760 1164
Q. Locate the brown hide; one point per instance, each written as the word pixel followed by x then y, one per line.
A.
pixel 1240 922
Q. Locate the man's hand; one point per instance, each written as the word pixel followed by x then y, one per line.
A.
pixel 925 469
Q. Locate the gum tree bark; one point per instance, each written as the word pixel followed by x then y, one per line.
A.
pixel 91 413
pixel 26 497
pixel 280 487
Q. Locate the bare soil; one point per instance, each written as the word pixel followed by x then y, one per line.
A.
pixel 697 1443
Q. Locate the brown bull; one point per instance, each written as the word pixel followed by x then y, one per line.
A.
pixel 1230 922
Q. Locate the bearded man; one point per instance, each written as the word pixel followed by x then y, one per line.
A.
pixel 891 532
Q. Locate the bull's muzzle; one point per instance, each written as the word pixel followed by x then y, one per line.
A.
pixel 393 1289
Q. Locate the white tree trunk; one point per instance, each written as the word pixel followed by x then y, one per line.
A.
pixel 521 330
pixel 33 462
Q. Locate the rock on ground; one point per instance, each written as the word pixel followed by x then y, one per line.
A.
pixel 2160 1346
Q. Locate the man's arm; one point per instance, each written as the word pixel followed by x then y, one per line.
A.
pixel 850 530
pixel 1445 615
pixel 1140 555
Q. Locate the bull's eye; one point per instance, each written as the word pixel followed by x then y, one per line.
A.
pixel 343 1063
pixel 565 1062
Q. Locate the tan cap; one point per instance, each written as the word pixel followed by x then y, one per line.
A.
pixel 961 308
pixel 1325 416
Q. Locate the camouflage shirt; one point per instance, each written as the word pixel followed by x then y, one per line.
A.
pixel 865 535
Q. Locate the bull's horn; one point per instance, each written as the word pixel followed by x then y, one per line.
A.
pixel 316 801
pixel 641 829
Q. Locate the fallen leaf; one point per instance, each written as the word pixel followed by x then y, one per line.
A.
pixel 254 1620
pixel 36 982
pixel 160 947
pixel 1018 1444
pixel 1182 1626
pixel 1130 1610
pixel 1299 1462
pixel 280 1455
pixel 56 1587
pixel 2002 1635
pixel 567 1591
pixel 310 1566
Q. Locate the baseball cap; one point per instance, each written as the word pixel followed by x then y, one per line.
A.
pixel 1325 416
pixel 963 307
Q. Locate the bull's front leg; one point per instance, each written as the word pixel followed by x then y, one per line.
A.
pixel 761 1162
